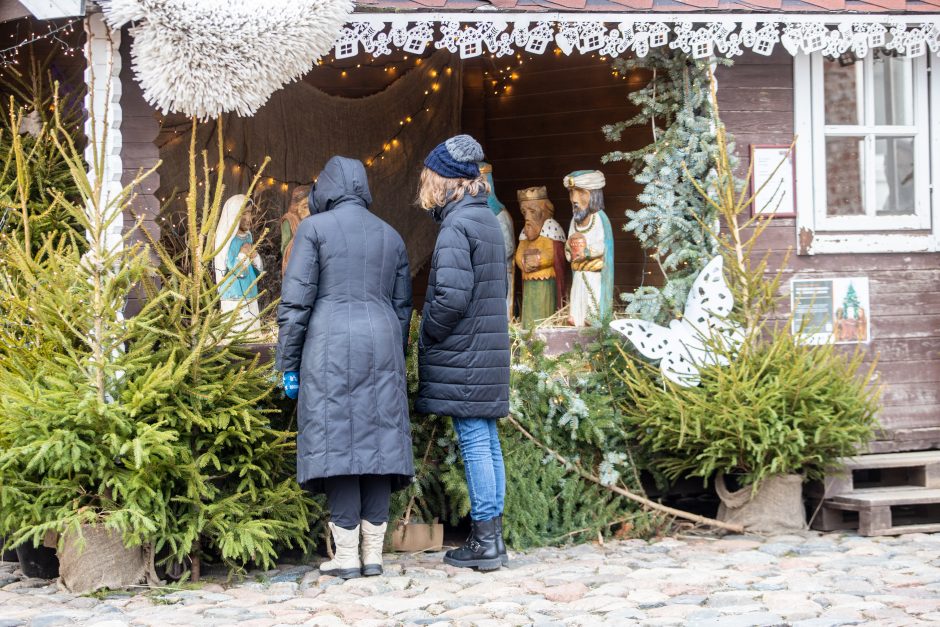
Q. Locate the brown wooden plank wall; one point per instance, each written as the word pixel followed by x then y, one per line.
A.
pixel 549 124
pixel 756 101
pixel 140 153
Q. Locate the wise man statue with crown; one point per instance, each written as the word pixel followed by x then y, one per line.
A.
pixel 541 257
pixel 590 249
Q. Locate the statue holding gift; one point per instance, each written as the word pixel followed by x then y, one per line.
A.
pixel 540 255
pixel 505 225
pixel 590 249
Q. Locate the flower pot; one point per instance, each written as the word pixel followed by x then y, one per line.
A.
pixel 776 506
pixel 98 559
pixel 413 537
pixel 40 562
pixel 8 555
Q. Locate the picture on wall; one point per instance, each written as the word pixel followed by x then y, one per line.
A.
pixel 831 310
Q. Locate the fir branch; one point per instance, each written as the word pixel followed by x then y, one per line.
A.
pixel 575 467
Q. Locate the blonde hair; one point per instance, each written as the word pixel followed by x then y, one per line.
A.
pixel 435 190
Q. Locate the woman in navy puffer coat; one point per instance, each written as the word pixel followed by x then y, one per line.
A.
pixel 464 349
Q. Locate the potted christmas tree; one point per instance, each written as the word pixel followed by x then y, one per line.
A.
pixel 768 409
pixel 138 436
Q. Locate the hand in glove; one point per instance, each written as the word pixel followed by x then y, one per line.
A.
pixel 291 384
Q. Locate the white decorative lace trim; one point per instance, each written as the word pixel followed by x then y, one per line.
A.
pixel 729 35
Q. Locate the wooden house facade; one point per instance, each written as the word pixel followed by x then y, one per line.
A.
pixel 856 83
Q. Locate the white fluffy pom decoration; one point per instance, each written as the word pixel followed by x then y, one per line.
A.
pixel 207 57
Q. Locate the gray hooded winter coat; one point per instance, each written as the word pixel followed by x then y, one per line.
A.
pixel 344 317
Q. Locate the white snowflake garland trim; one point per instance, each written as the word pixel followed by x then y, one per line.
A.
pixel 207 57
pixel 730 36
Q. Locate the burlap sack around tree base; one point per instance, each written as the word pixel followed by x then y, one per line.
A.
pixel 776 507
pixel 99 560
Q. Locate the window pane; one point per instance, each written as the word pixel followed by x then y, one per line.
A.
pixel 894 176
pixel 843 92
pixel 844 176
pixel 894 90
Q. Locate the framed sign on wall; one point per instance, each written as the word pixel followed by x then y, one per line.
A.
pixel 773 183
pixel 831 310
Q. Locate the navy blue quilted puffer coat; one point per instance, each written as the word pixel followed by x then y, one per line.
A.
pixel 344 317
pixel 464 353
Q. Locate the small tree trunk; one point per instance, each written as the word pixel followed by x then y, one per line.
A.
pixel 196 568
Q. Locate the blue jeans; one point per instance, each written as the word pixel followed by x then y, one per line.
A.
pixel 483 464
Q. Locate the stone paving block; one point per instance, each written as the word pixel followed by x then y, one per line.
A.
pixel 566 593
pixel 50 620
pixel 284 587
pixel 22 584
pixel 824 622
pixel 752 619
pixel 600 604
pixel 326 621
pixel 396 605
pixel 673 611
pixel 292 574
pixel 732 598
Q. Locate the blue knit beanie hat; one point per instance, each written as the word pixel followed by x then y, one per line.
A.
pixel 456 158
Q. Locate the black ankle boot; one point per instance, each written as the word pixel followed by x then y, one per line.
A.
pixel 500 543
pixel 479 551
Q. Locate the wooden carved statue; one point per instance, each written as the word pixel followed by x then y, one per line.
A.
pixel 298 209
pixel 505 225
pixel 238 265
pixel 540 255
pixel 590 249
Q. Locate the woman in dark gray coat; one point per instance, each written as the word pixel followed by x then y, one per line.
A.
pixel 464 352
pixel 344 317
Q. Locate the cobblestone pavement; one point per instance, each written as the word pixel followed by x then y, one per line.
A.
pixel 809 580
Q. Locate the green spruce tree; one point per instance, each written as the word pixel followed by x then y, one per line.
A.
pixel 235 496
pixel 82 437
pixel 33 92
pixel 673 222
pixel 158 426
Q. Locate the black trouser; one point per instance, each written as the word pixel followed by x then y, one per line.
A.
pixel 354 498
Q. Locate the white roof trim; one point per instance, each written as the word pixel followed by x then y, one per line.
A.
pixel 473 34
pixel 54 9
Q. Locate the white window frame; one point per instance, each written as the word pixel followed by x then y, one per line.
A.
pixel 818 232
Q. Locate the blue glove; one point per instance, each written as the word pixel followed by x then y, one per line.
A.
pixel 291 384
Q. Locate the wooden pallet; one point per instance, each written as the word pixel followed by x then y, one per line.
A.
pixel 884 511
pixel 883 494
pixel 918 468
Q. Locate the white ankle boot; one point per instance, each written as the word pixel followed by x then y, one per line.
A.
pixel 345 562
pixel 373 539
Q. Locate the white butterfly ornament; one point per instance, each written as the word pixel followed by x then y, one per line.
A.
pixel 683 346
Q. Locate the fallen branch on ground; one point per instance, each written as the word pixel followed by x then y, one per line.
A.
pixel 642 500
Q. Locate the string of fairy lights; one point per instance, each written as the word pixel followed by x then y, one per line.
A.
pixel 238 167
pixel 499 78
pixel 54 34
